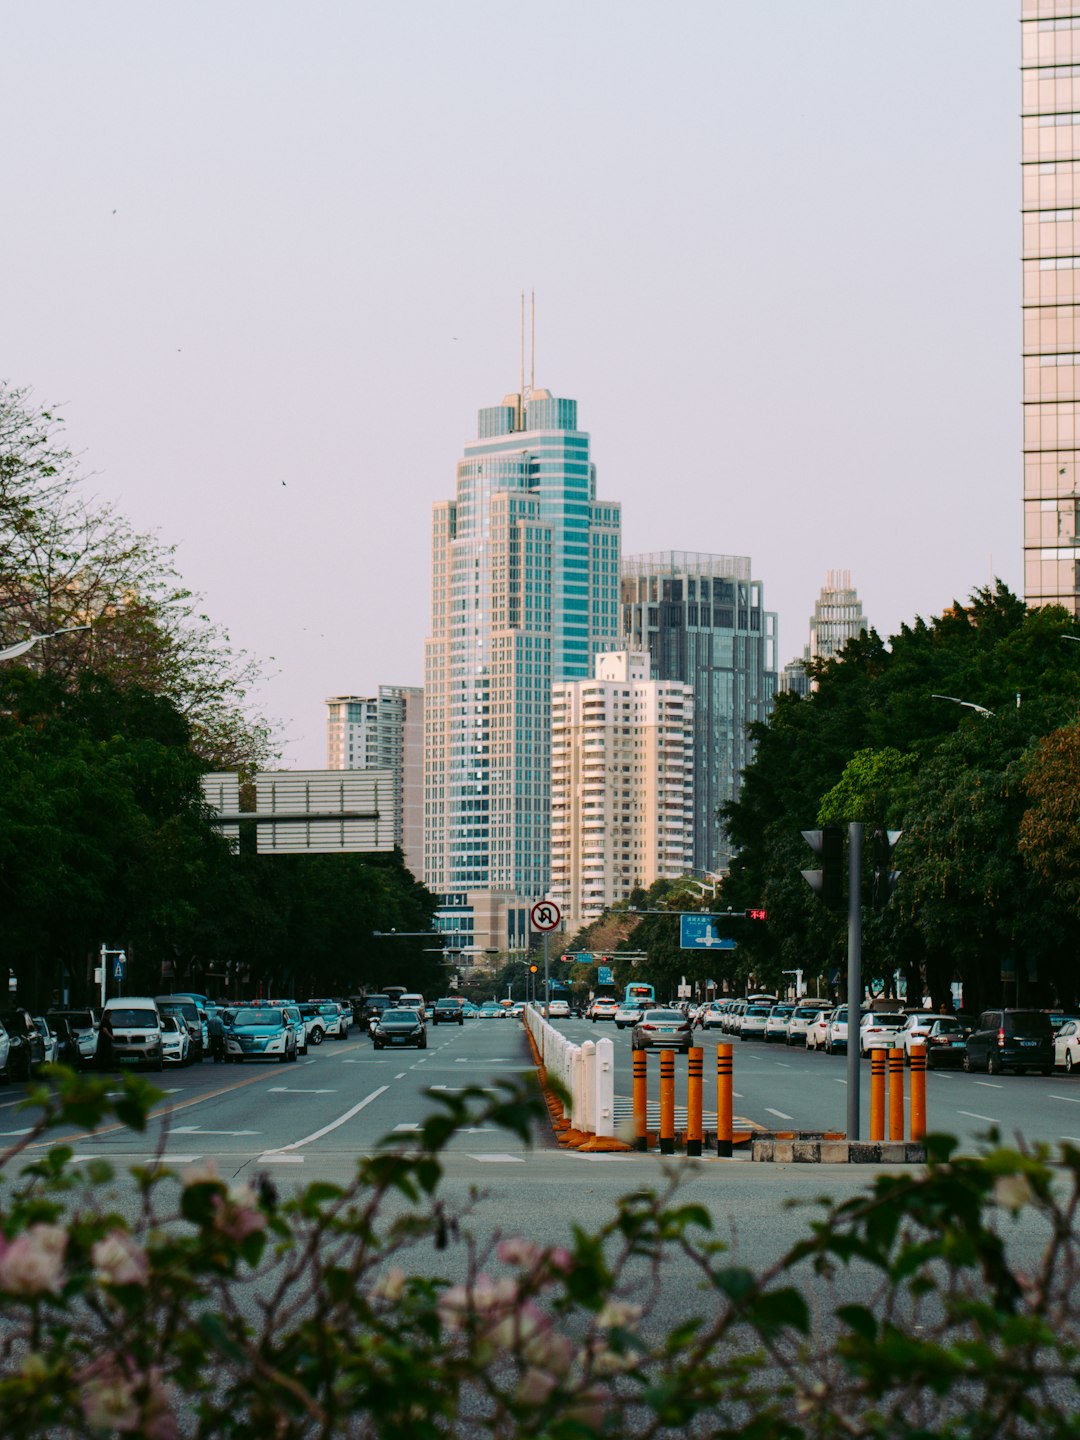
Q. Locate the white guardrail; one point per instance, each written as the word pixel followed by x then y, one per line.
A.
pixel 586 1072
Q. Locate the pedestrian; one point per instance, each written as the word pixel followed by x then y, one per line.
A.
pixel 216 1028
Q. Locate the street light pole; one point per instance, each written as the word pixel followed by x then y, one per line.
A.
pixel 13 651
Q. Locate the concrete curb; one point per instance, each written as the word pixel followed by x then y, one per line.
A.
pixel 837 1151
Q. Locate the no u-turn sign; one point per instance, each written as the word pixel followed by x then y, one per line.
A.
pixel 545 915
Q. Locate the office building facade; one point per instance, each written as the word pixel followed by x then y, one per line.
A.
pixel 525 566
pixel 622 785
pixel 1050 109
pixel 385 732
pixel 702 620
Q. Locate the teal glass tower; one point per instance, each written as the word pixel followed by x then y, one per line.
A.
pixel 525 574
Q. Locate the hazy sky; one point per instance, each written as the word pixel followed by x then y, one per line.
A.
pixel 774 245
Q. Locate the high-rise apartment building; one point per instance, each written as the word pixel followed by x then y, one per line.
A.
pixel 1050 107
pixel 525 566
pixel 703 621
pixel 385 732
pixel 622 784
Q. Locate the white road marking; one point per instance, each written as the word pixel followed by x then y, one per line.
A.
pixel 838 1080
pixel 27 1131
pixel 1072 1099
pixel 990 1119
pixel 989 1085
pixel 401 1076
pixel 288 1090
pixel 778 1113
pixel 198 1130
pixel 497 1159
pixel 409 1125
pixel 269 1159
pixel 782 1064
pixel 341 1120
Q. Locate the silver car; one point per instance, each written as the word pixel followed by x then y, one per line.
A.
pixel 662 1030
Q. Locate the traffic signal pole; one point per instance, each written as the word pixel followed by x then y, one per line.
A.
pixel 854 975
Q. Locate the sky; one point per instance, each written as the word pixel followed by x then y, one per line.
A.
pixel 267 259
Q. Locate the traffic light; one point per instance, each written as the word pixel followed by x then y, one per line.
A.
pixel 533 968
pixel 828 882
pixel 885 877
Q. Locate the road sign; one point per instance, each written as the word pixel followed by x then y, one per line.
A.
pixel 545 915
pixel 119 966
pixel 702 932
pixel 604 975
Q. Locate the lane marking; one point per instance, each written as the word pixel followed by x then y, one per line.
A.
pixel 496 1159
pixel 289 1090
pixel 990 1120
pixel 778 1113
pixel 198 1130
pixel 401 1076
pixel 989 1084
pixel 28 1131
pixel 326 1129
pixel 1070 1099
pixel 408 1125
pixel 270 1159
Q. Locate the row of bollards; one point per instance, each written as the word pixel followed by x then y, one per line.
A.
pixel 890 1064
pixel 695 1131
pixel 883 1064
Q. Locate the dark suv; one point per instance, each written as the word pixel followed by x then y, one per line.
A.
pixel 27 1043
pixel 1011 1040
pixel 451 1010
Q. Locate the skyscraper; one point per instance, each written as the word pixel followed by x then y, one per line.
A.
pixel 385 732
pixel 1050 107
pixel 525 566
pixel 703 621
pixel 838 616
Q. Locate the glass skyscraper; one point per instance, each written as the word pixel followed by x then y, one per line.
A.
pixel 525 567
pixel 1050 107
pixel 703 621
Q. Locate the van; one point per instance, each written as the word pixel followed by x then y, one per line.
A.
pixel 1011 1040
pixel 130 1033
pixel 412 1002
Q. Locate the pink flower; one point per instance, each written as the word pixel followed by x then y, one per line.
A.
pixel 237 1214
pixel 483 1299
pixel 560 1260
pixel 205 1173
pixel 589 1406
pixel 115 1396
pixel 118 1260
pixel 108 1402
pixel 389 1286
pixel 32 1263
pixel 534 1387
pixel 515 1327
pixel 516 1250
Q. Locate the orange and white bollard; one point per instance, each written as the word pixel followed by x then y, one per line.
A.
pixel 896 1094
pixel 918 1092
pixel 877 1094
pixel 641 1101
pixel 667 1102
pixel 694 1130
pixel 724 1087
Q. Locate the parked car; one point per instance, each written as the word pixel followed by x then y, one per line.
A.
pixel 27 1050
pixel 916 1029
pixel 190 1016
pixel 753 1019
pixel 299 1024
pixel 710 1016
pixel 836 1039
pixel 817 1032
pixel 67 1045
pixel 777 1022
pixel 1011 1040
pixel 52 1044
pixel 400 1027
pixel 946 1044
pixel 802 1017
pixel 1059 1017
pixel 175 1040
pixel 879 1030
pixel 450 1009
pixel 260 1032
pixel 83 1027
pixel 5 1056
pixel 1067 1045
pixel 130 1033
pixel 323 1021
pixel 662 1030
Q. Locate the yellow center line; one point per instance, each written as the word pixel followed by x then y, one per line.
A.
pixel 172 1109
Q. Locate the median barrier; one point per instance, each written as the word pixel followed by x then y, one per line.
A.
pixel 586 1073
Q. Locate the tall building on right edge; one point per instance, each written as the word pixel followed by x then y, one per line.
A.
pixel 1050 163
pixel 702 620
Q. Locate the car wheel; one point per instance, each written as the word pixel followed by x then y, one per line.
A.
pixel 316 1036
pixel 966 1063
pixel 1068 1061
pixel 284 1056
pixel 993 1067
pixel 422 1044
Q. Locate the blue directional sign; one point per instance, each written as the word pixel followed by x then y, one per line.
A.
pixel 701 932
pixel 604 975
pixel 119 966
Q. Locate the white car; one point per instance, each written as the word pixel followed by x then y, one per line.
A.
pixel 753 1021
pixel 1067 1045
pixel 817 1031
pixel 802 1017
pixel 878 1031
pixel 52 1041
pixel 175 1040
pixel 558 1010
pixel 603 1008
pixel 836 1035
pixel 776 1026
pixel 629 1013
pixel 711 1016
pixel 916 1029
pixel 5 1055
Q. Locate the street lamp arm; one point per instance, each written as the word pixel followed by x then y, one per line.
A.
pixel 13 651
pixel 967 704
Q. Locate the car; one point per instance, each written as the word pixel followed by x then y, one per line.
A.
pixel 1006 1039
pixel 879 1030
pixel 946 1042
pixel 83 1027
pixel 752 1021
pixel 666 1029
pixel 52 1044
pixel 628 1013
pixel 260 1032
pixel 470 1010
pixel 299 1024
pixel 711 1015
pixel 191 1016
pixel 802 1017
pixel 817 1031
pixel 5 1056
pixel 777 1022
pixel 67 1046
pixel 450 1009
pixel 323 1021
pixel 517 1010
pixel 27 1050
pixel 413 1001
pixel 837 1039
pixel 400 1026
pixel 558 1010
pixel 603 1008
pixel 731 1022
pixel 915 1029
pixel 491 1010
pixel 1067 1045
pixel 130 1033
pixel 1060 1017
pixel 175 1040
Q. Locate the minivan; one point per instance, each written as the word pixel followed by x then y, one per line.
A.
pixel 1011 1040
pixel 130 1033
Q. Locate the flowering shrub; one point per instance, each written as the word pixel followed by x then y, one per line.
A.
pixel 227 1311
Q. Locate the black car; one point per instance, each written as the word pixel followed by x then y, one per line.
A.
pixel 83 1027
pixel 1011 1040
pixel 27 1043
pixel 450 1009
pixel 399 1027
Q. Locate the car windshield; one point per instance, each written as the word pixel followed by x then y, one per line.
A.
pixel 806 1012
pixel 757 1010
pixel 892 1021
pixel 136 1019
pixel 665 1015
pixel 948 1026
pixel 170 1022
pixel 400 1017
pixel 258 1017
pixel 448 1003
